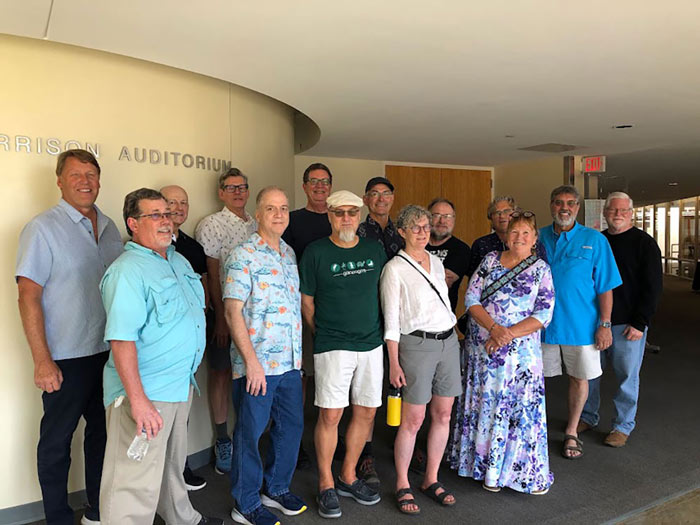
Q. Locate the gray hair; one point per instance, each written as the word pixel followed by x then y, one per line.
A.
pixel 265 191
pixel 232 172
pixel 411 214
pixel 503 198
pixel 131 204
pixel 618 195
pixel 561 190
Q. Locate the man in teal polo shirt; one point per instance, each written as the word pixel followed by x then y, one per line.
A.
pixel 584 273
pixel 155 325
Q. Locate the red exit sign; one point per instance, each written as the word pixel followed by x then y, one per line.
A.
pixel 594 164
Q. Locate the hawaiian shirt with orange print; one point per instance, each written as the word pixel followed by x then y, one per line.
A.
pixel 267 282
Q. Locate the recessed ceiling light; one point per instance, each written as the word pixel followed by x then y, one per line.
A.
pixel 673 184
pixel 510 136
pixel 622 126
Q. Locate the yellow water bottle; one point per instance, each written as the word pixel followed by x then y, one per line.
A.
pixel 393 407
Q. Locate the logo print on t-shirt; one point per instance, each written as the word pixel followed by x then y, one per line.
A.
pixel 335 267
pixel 352 267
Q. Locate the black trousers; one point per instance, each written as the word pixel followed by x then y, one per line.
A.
pixel 80 395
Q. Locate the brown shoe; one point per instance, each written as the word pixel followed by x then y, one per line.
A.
pixel 616 439
pixel 583 426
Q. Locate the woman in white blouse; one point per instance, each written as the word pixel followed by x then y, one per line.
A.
pixel 423 353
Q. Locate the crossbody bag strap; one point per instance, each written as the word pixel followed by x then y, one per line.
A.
pixel 424 277
pixel 507 277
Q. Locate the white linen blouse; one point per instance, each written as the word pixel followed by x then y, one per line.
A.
pixel 408 301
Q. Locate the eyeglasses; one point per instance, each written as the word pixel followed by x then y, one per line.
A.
pixel 417 229
pixel 373 194
pixel 621 211
pixel 156 216
pixel 524 214
pixel 319 182
pixel 350 213
pixel 234 188
pixel 446 216
pixel 570 204
pixel 501 213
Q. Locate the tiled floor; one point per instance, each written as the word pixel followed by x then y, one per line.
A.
pixel 682 510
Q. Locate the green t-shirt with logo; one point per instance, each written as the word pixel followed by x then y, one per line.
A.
pixel 344 283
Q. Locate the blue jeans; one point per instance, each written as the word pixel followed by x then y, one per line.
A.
pixel 625 357
pixel 283 405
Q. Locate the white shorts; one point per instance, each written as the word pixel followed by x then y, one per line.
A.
pixel 581 362
pixel 344 377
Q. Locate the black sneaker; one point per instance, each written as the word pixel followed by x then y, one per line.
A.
pixel 260 516
pixel 192 481
pixel 287 503
pixel 367 471
pixel 303 459
pixel 328 504
pixel 359 491
pixel 210 521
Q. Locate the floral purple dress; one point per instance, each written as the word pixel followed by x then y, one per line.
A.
pixel 501 431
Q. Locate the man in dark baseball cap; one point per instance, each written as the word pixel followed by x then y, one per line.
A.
pixel 379 197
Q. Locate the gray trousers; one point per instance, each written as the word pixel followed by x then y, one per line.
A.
pixel 131 491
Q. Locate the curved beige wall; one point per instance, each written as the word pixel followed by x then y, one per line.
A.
pixel 56 91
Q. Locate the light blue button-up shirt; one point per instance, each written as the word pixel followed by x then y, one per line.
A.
pixel 267 282
pixel 583 267
pixel 159 304
pixel 57 250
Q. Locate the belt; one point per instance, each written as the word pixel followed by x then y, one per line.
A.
pixel 431 335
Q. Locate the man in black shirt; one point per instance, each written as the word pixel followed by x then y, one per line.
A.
pixel 639 260
pixel 311 222
pixel 379 197
pixel 452 252
pixel 191 250
pixel 306 225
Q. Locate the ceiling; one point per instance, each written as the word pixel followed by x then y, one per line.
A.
pixel 447 81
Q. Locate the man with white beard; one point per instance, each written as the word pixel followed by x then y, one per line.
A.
pixel 584 273
pixel 340 303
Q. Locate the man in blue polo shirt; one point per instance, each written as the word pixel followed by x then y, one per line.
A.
pixel 585 273
pixel 155 324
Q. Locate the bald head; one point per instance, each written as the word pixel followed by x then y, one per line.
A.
pixel 178 203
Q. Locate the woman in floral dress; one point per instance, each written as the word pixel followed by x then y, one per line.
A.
pixel 501 433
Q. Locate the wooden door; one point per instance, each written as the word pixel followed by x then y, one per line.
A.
pixel 469 190
pixel 413 185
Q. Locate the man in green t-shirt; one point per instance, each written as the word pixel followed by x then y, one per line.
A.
pixel 340 302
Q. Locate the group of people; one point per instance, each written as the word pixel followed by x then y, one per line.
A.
pixel 319 293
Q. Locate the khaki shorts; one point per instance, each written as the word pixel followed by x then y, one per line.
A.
pixel 431 367
pixel 581 362
pixel 344 376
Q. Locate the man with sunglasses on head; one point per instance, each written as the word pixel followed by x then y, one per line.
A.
pixel 218 234
pixel 61 258
pixel 340 303
pixel 452 252
pixel 584 273
pixel 154 302
pixel 306 225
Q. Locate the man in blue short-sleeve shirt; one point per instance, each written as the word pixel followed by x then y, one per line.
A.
pixel 62 256
pixel 263 312
pixel 584 273
pixel 155 324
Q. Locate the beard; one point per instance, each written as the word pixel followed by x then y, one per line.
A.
pixel 346 234
pixel 564 223
pixel 439 236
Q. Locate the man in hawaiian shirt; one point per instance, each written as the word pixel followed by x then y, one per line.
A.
pixel 218 234
pixel 263 312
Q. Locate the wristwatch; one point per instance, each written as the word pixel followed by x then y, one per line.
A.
pixel 605 324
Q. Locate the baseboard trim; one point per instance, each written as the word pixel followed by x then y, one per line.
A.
pixel 34 511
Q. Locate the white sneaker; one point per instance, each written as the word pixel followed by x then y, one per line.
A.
pixel 87 521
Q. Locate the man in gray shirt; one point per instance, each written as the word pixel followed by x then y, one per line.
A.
pixel 62 256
